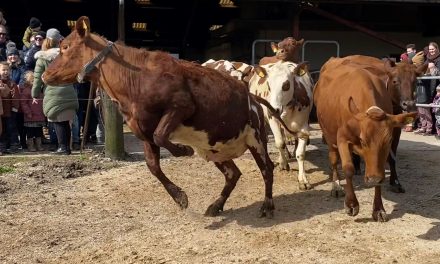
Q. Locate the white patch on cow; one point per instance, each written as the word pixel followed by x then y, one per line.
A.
pixel 220 152
pixel 279 74
pixel 208 62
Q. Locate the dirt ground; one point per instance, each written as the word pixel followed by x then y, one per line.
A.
pixel 88 209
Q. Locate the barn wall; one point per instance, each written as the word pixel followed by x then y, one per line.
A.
pixel 350 42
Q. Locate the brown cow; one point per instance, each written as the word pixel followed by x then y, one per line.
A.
pixel 284 51
pixel 352 105
pixel 400 81
pixel 174 104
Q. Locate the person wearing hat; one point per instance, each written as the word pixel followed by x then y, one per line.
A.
pixel 29 60
pixel 3 42
pixel 60 103
pixel 34 27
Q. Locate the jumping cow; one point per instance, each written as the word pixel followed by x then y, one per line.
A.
pixel 170 103
pixel 354 110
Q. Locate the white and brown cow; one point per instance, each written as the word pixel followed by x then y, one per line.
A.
pixel 289 89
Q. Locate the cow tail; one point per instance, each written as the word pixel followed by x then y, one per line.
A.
pixel 273 112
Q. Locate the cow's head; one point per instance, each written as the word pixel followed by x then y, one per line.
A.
pixel 285 50
pixel 401 82
pixel 370 134
pixel 282 79
pixel 78 48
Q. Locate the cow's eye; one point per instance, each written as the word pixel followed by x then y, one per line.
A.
pixel 286 86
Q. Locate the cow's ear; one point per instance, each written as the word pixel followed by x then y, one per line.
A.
pixel 299 42
pixel 301 68
pixel 352 106
pixel 389 64
pixel 82 26
pixel 260 71
pixel 274 47
pixel 402 119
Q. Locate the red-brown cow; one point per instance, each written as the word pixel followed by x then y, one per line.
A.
pixel 352 105
pixel 180 106
pixel 400 80
pixel 284 51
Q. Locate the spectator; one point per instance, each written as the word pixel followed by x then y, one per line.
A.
pixel 2 19
pixel 33 28
pixel 425 90
pixel 10 104
pixel 34 118
pixel 436 111
pixel 3 42
pixel 17 73
pixel 29 57
pixel 4 92
pixel 60 102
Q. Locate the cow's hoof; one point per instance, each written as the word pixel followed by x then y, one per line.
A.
pixel 282 167
pixel 352 210
pixel 183 151
pixel 267 209
pixel 380 216
pixel 213 210
pixel 339 192
pixel 397 188
pixel 180 198
pixel 305 186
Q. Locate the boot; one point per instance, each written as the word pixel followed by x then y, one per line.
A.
pixel 62 150
pixel 30 145
pixel 39 144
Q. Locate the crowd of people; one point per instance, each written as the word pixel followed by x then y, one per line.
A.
pixel 34 114
pixel 427 90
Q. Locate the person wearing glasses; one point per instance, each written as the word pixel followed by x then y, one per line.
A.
pixel 3 42
pixel 29 60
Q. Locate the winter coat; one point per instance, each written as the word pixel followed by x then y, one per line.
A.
pixel 17 71
pixel 27 38
pixel 29 57
pixel 10 101
pixel 4 92
pixel 32 112
pixel 56 98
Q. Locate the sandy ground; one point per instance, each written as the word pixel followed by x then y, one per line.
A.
pixel 88 209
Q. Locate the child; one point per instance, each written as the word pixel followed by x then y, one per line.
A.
pixel 34 119
pixel 436 111
pixel 10 107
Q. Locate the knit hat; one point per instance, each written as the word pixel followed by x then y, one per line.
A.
pixel 34 23
pixel 12 51
pixel 41 34
pixel 54 34
pixel 11 45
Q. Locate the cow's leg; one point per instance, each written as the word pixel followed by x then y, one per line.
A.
pixel 280 144
pixel 337 189
pixel 379 213
pixel 351 202
pixel 357 164
pixel 266 167
pixel 168 123
pixel 152 156
pixel 232 174
pixel 300 157
pixel 395 185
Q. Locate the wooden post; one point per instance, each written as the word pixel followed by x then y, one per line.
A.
pixel 113 123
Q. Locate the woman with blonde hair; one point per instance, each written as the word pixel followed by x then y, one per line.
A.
pixel 60 102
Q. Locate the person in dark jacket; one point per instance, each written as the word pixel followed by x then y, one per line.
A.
pixel 29 57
